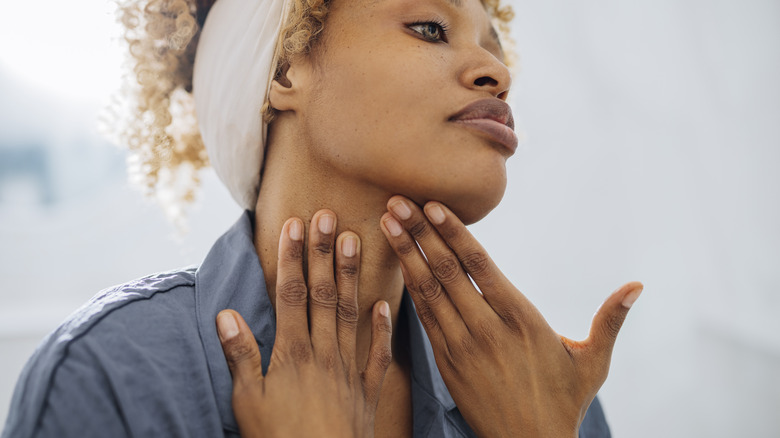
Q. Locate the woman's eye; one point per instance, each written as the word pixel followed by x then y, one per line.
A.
pixel 431 31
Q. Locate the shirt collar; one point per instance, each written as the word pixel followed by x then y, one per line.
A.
pixel 231 278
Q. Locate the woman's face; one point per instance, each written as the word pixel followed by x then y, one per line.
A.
pixel 387 79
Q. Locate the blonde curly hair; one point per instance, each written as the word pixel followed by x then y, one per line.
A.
pixel 158 124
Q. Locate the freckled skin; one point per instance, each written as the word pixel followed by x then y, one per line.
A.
pixel 380 107
pixel 364 116
pixel 362 129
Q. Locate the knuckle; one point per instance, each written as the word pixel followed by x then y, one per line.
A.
pixel 430 289
pixel 322 248
pixel 328 361
pixel 449 233
pixel 406 248
pixel 383 356
pixel 294 251
pixel 324 295
pixel 427 318
pixel 384 327
pixel 293 292
pixel 514 319
pixel 612 325
pixel 467 346
pixel 476 263
pixel 446 270
pixel 238 351
pixel 347 313
pixel 448 366
pixel 419 229
pixel 348 271
pixel 300 351
pixel 486 332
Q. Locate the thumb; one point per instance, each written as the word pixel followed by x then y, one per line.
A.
pixel 240 348
pixel 380 354
pixel 609 318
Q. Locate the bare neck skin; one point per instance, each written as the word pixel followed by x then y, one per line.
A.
pixel 296 183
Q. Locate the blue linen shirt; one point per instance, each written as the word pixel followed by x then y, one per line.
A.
pixel 143 358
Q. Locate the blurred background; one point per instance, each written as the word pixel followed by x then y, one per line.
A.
pixel 652 151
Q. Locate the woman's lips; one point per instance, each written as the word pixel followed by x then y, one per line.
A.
pixel 491 117
pixel 497 131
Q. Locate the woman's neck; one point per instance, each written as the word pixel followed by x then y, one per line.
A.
pixel 296 184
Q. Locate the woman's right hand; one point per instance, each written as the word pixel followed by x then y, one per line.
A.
pixel 312 387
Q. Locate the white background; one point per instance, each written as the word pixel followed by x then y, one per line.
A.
pixel 651 154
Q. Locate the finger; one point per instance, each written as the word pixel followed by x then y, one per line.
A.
pixel 322 286
pixel 425 313
pixel 443 323
pixel 240 348
pixel 380 354
pixel 347 275
pixel 609 319
pixel 291 293
pixel 442 260
pixel 495 287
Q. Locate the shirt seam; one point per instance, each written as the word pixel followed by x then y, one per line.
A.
pixel 92 324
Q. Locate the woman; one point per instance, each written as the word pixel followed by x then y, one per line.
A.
pixel 382 126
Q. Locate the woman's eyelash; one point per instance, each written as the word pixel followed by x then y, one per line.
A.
pixel 426 28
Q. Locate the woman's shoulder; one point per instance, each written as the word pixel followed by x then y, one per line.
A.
pixel 120 309
pixel 128 343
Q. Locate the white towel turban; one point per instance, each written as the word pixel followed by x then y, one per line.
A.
pixel 234 67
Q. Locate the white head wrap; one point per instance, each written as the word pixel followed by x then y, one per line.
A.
pixel 234 67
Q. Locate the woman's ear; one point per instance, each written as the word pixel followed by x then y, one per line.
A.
pixel 287 89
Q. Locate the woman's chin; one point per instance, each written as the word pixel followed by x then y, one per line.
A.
pixel 474 210
pixel 470 206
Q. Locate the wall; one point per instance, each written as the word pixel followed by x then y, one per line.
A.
pixel 651 155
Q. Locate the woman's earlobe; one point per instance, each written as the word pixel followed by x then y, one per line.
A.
pixel 284 89
pixel 281 94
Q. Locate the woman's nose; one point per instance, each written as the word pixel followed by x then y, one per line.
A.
pixel 485 72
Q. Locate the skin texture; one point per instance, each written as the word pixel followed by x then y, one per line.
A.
pixel 362 118
pixel 508 371
pixel 313 381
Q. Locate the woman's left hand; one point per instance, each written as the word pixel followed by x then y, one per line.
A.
pixel 508 371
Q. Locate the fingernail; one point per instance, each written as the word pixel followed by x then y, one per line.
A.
pixel 631 297
pixel 325 224
pixel 384 309
pixel 401 210
pixel 436 214
pixel 227 326
pixel 349 246
pixel 393 226
pixel 294 230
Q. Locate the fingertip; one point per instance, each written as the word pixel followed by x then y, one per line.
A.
pixel 630 297
pixel 381 320
pixel 435 212
pixel 348 244
pixel 390 225
pixel 396 198
pixel 227 325
pixel 295 229
pixel 292 229
pixel 631 285
pixel 384 309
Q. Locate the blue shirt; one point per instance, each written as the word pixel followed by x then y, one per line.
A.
pixel 143 358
